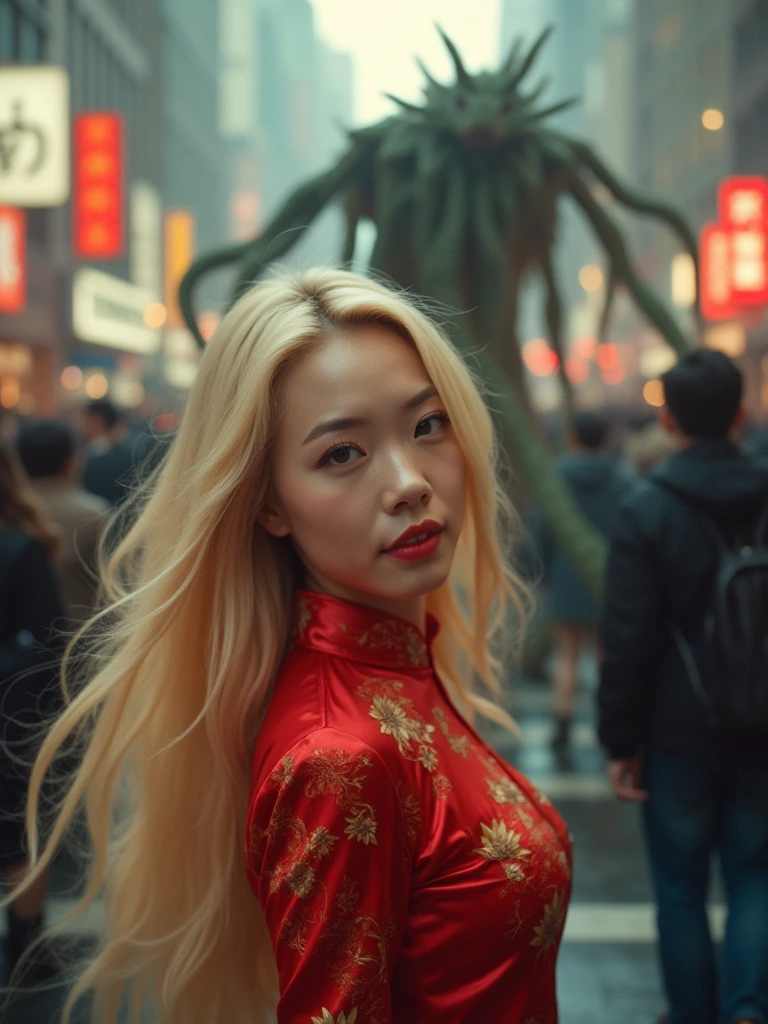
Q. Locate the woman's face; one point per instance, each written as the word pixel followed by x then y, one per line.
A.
pixel 364 450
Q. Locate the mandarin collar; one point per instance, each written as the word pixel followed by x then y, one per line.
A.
pixel 359 633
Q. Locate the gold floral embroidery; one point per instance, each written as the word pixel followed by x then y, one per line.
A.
pixel 441 786
pixel 504 790
pixel 399 638
pixel 458 743
pixel 283 774
pixel 305 609
pixel 397 718
pixel 360 950
pixel 501 843
pixel 410 808
pixel 335 772
pixel 548 932
pixel 321 841
pixel 362 826
pixel 343 1018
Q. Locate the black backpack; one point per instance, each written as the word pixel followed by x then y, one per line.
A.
pixel 730 676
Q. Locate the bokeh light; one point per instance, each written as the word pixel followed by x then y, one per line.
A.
pixel 71 377
pixel 96 386
pixel 713 119
pixel 653 393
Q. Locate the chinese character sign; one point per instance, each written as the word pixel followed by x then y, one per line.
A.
pixel 34 135
pixel 715 273
pixel 98 202
pixel 734 252
pixel 13 260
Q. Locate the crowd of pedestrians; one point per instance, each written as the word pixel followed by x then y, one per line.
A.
pixel 681 638
pixel 57 486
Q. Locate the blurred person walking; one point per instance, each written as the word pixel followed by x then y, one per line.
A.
pixel 29 610
pixel 47 452
pixel 110 460
pixel 647 447
pixel 599 482
pixel 683 699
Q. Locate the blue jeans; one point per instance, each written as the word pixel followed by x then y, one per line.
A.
pixel 699 806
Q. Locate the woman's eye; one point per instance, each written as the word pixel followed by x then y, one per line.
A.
pixel 340 455
pixel 440 417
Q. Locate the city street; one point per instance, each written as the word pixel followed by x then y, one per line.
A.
pixel 607 966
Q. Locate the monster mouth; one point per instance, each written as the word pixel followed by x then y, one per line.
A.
pixel 481 137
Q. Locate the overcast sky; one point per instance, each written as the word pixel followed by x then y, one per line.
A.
pixel 384 36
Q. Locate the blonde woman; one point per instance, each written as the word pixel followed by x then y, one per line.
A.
pixel 289 808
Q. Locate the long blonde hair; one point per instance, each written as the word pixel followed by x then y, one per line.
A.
pixel 195 623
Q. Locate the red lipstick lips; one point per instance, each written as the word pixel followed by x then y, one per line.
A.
pixel 417 549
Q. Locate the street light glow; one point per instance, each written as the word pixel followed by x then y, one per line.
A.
pixel 591 278
pixel 71 377
pixel 155 315
pixel 713 119
pixel 653 393
pixel 96 386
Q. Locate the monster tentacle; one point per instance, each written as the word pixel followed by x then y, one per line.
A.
pixel 440 279
pixel 284 230
pixel 393 212
pixel 352 218
pixel 462 75
pixel 605 315
pixel 490 272
pixel 531 56
pixel 514 53
pixel 638 203
pixel 553 312
pixel 556 108
pixel 612 239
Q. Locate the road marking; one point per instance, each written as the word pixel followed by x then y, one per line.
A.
pixel 624 922
pixel 573 786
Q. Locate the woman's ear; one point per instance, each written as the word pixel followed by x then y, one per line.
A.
pixel 273 521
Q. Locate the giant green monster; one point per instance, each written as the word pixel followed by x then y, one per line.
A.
pixel 464 194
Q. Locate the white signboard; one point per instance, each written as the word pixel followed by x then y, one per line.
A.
pixel 108 311
pixel 146 237
pixel 34 135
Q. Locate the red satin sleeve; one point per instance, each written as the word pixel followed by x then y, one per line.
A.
pixel 330 866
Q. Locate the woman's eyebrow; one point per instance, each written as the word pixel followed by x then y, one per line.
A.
pixel 347 422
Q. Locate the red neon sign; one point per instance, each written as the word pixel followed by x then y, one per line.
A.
pixel 99 229
pixel 715 291
pixel 13 259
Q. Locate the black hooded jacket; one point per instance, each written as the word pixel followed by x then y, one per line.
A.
pixel 661 571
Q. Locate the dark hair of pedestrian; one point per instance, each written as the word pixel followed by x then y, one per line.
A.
pixel 45 448
pixel 591 429
pixel 703 392
pixel 105 409
pixel 20 508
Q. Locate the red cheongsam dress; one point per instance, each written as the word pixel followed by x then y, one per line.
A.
pixel 408 874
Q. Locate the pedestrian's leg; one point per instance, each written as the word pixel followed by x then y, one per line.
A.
pixel 568 640
pixel 744 861
pixel 680 820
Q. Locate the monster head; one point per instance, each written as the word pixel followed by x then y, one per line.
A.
pixel 487 110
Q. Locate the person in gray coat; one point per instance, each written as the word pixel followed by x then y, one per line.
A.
pixel 47 452
pixel 598 482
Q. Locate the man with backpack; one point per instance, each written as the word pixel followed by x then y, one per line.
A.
pixel 683 698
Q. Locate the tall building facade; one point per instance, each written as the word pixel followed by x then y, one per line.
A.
pixel 155 63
